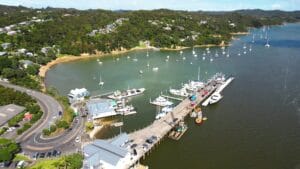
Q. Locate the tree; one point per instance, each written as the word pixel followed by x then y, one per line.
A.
pixel 8 149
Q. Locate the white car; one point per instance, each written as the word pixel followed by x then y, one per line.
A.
pixel 77 139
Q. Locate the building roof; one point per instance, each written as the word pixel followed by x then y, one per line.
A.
pixel 107 151
pixel 9 111
pixel 101 107
pixel 26 62
pixel 3 53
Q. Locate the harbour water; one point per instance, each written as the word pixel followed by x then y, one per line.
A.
pixel 256 124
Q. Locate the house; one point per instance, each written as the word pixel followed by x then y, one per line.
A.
pixel 9 111
pixel 3 53
pixel 107 154
pixel 27 116
pixel 78 95
pixel 22 51
pixel 99 108
pixel 26 63
pixel 11 33
pixel 29 54
pixel 45 50
pixel 5 45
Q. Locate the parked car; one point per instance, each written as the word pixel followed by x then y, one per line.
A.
pixel 145 147
pixel 49 154
pixel 149 141
pixel 35 155
pixel 21 164
pixel 42 155
pixel 77 139
pixel 133 145
pixel 154 138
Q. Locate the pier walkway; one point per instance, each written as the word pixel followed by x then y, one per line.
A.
pixel 163 126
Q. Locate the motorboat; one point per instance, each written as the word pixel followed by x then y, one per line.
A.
pixel 164 111
pixel 155 69
pixel 161 101
pixel 214 98
pixel 181 92
pixel 118 95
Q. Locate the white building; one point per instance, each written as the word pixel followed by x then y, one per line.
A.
pixel 107 154
pixel 77 95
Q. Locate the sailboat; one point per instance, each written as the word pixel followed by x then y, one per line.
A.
pixel 267 44
pixel 101 83
pixel 245 47
pixel 147 53
pixel 250 48
pixel 194 52
pixel 227 55
pixel 253 38
pixel 148 65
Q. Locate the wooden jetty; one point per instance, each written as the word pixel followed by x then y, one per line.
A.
pixel 161 127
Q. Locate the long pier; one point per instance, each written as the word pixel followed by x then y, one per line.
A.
pixel 160 128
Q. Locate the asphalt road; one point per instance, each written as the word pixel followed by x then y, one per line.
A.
pixel 32 140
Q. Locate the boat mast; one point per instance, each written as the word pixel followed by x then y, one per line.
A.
pixel 199 73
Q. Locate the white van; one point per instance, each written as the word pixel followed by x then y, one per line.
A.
pixel 21 164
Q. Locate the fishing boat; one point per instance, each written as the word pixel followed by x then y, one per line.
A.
pixel 118 95
pixel 164 111
pixel 161 101
pixel 100 63
pixel 135 59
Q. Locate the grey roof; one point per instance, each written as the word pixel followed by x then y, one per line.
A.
pixel 96 107
pixel 108 151
pixel 9 111
pixel 120 140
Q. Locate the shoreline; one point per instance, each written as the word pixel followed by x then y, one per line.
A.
pixel 69 58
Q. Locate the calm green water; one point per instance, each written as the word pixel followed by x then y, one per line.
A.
pixel 255 126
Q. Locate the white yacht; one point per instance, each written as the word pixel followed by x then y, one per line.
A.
pixel 141 72
pixel 118 95
pixel 214 98
pixel 163 112
pixel 181 92
pixel 155 69
pixel 161 101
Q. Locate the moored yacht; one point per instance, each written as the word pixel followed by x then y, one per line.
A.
pixel 118 95
pixel 164 111
pixel 180 92
pixel 161 101
pixel 215 97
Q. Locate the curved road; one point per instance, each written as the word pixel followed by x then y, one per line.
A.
pixel 31 140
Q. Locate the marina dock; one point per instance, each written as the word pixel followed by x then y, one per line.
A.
pixel 219 90
pixel 162 127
